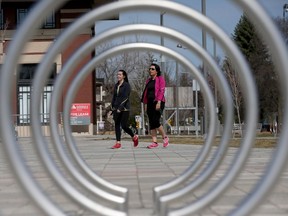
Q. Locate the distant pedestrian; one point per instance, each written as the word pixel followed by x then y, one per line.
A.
pixel 154 100
pixel 120 108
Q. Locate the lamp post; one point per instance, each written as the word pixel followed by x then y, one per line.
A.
pixel 180 46
pixel 177 98
pixel 143 119
pixel 195 87
pixel 285 9
pixel 162 65
pixel 215 56
pixel 204 45
pixel 196 104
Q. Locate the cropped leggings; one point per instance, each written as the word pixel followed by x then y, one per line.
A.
pixel 154 115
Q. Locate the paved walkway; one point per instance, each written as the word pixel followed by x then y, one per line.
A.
pixel 140 169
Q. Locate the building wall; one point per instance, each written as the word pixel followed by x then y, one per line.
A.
pixel 86 93
pixel 43 38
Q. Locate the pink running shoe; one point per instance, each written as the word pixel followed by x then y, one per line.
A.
pixel 135 140
pixel 153 145
pixel 116 146
pixel 165 142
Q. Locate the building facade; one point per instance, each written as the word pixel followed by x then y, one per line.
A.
pixel 12 15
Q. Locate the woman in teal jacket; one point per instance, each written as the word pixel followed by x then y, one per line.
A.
pixel 120 108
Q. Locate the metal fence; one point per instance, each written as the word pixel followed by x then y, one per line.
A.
pixel 23 128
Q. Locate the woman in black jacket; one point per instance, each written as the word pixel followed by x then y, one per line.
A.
pixel 120 108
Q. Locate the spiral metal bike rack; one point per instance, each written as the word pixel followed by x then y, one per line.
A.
pixel 114 195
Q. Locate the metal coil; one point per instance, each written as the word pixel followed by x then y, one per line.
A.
pixel 104 190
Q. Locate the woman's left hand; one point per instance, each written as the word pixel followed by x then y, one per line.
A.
pixel 158 106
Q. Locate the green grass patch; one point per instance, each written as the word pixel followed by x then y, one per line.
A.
pixel 260 141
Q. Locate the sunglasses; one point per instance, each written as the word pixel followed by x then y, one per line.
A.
pixel 152 69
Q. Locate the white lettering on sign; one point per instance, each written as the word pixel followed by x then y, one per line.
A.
pixel 82 107
pixel 80 114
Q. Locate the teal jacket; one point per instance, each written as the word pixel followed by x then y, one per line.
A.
pixel 120 100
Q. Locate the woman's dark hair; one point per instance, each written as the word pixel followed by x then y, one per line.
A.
pixel 125 75
pixel 157 67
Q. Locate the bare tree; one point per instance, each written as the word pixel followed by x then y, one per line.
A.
pixel 135 63
pixel 234 85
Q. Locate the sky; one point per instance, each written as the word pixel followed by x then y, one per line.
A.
pixel 224 13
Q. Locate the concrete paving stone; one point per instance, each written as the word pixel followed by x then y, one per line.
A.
pixel 135 202
pixel 267 208
pixel 7 211
pixel 153 168
pixel 150 164
pixel 222 210
pixel 206 212
pixel 149 161
pixel 228 200
pixel 148 187
pixel 174 161
pixel 246 186
pixel 96 159
pixel 6 182
pixel 27 209
pixel 97 170
pixel 269 214
pixel 147 203
pixel 121 167
pixel 141 212
pixel 134 191
pixel 283 184
pixel 128 183
pixel 141 169
pixel 155 173
pixel 178 170
pixel 177 205
pixel 11 189
pixel 132 179
pixel 112 174
pixel 280 199
pixel 281 187
pixel 248 176
pixel 13 199
pixel 234 192
pixel 7 175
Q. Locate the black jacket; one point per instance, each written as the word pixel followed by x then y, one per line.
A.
pixel 120 99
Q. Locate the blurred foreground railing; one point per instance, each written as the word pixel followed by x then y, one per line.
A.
pixel 112 199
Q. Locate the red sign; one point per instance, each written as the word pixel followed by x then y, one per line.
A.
pixel 80 114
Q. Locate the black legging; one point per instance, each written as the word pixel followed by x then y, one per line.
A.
pixel 121 120
pixel 154 115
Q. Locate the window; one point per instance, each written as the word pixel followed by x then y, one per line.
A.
pixel 21 15
pixel 24 94
pixel 25 77
pixel 45 102
pixel 1 19
pixel 49 22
